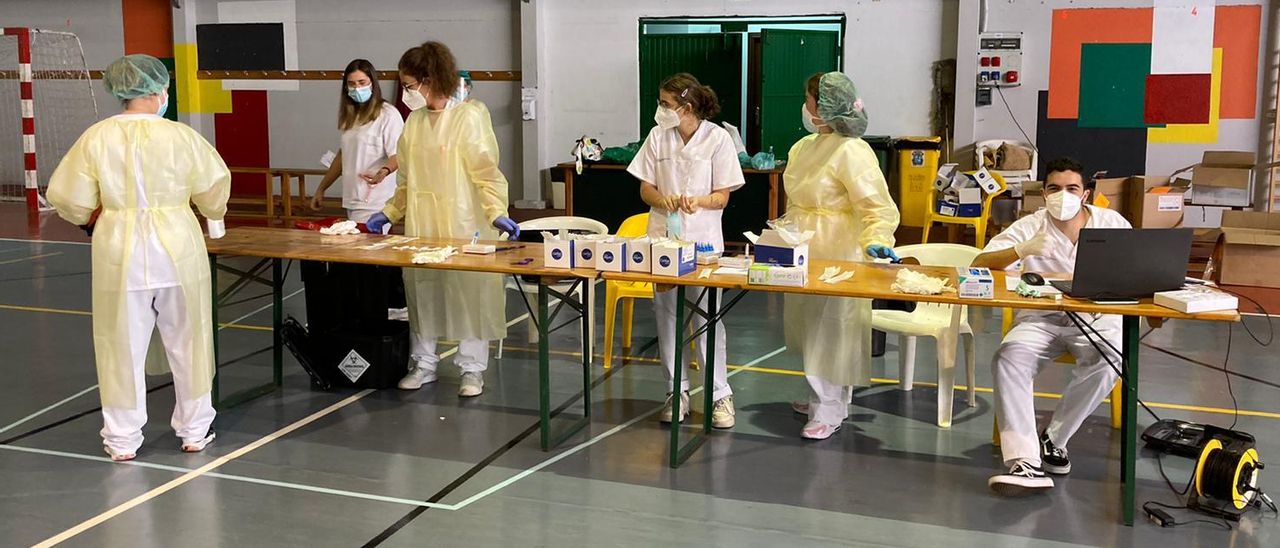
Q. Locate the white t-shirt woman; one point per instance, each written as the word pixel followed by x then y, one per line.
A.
pixel 366 162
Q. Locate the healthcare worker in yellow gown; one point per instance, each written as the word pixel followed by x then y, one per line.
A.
pixel 150 266
pixel 835 188
pixel 450 187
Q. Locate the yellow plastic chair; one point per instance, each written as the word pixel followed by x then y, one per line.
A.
pixel 634 227
pixel 1005 325
pixel 978 223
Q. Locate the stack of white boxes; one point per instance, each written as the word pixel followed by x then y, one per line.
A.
pixel 613 254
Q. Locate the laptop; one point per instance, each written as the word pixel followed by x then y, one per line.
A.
pixel 1127 264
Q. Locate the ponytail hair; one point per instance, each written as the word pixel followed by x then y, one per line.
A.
pixel 689 91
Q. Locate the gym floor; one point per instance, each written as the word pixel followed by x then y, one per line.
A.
pixel 396 468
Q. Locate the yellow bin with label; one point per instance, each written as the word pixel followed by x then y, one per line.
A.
pixel 917 167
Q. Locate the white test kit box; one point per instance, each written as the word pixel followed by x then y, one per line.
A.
pixel 786 276
pixel 985 181
pixel 640 250
pixel 975 283
pixel 558 254
pixel 1197 299
pixel 585 253
pixel 673 258
pixel 771 248
pixel 611 256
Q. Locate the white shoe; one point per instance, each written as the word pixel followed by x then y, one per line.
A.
pixel 472 384
pixel 417 377
pixel 1022 479
pixel 665 415
pixel 814 430
pixel 119 457
pixel 198 445
pixel 722 413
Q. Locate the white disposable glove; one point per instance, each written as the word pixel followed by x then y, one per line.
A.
pixel 1034 246
pixel 217 229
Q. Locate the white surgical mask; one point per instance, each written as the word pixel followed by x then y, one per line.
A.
pixel 666 118
pixel 413 99
pixel 807 118
pixel 1063 205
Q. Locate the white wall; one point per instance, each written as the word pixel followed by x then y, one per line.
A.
pixel 1033 18
pixel 592 69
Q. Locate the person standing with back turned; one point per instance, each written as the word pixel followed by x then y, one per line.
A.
pixel 150 265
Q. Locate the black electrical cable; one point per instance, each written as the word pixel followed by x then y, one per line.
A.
pixel 1222 524
pixel 1085 328
pixel 1211 366
pixel 1030 142
pixel 1190 481
pixel 1235 405
pixel 1271 333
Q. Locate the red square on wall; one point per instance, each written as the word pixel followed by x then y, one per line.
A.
pixel 1178 98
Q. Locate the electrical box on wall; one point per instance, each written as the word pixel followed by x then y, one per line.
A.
pixel 999 59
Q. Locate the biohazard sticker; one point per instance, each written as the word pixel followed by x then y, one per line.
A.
pixel 353 366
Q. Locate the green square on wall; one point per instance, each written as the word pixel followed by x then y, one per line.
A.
pixel 1113 85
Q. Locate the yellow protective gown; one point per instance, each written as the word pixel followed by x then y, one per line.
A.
pixel 835 188
pixel 450 187
pixel 178 167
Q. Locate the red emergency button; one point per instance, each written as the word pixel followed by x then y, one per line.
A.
pixel 1011 77
pixel 995 61
pixel 985 61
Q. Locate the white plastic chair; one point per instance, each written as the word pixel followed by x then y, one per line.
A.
pixel 559 224
pixel 1018 176
pixel 933 320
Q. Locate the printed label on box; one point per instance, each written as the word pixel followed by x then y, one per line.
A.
pixel 353 366
pixel 1172 202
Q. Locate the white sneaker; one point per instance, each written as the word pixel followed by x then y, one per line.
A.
pixel 417 377
pixel 1022 479
pixel 665 415
pixel 814 430
pixel 198 445
pixel 471 384
pixel 119 457
pixel 722 413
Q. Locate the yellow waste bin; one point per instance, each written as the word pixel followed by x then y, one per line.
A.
pixel 917 166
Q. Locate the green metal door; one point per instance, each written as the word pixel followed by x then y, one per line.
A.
pixel 788 59
pixel 715 59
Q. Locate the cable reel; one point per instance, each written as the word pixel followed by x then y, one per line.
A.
pixel 1226 478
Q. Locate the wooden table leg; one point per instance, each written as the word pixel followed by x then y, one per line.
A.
pixel 773 195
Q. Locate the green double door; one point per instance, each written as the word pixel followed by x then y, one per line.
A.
pixel 787 59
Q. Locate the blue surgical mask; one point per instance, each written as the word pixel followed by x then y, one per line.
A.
pixel 360 94
pixel 164 106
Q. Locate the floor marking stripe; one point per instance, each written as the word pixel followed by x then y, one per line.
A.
pixel 233 477
pixel 169 486
pixel 48 409
pixel 232 323
pixel 69 312
pixel 568 452
pixel 31 258
pixel 29 241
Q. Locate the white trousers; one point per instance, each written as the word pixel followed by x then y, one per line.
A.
pixel 828 402
pixel 1026 348
pixel 664 309
pixel 473 354
pixel 148 310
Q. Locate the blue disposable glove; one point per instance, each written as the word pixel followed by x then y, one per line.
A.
pixel 882 252
pixel 376 222
pixel 509 226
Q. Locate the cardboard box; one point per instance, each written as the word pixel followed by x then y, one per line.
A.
pixel 1224 169
pixel 975 283
pixel 1161 208
pixel 771 248
pixel 586 253
pixel 985 181
pixel 1114 191
pixel 1032 197
pixel 1194 216
pixel 769 274
pixel 970 203
pixel 640 249
pixel 948 209
pixel 945 175
pixel 1251 248
pixel 673 258
pixel 558 254
pixel 1221 196
pixel 611 256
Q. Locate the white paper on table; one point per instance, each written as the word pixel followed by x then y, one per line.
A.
pixel 730 271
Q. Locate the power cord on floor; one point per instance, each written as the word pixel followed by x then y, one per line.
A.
pixel 1164 519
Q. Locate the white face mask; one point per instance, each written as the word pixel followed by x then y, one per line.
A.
pixel 1063 205
pixel 666 118
pixel 807 118
pixel 413 99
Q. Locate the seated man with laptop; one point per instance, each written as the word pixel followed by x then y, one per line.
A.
pixel 1045 242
